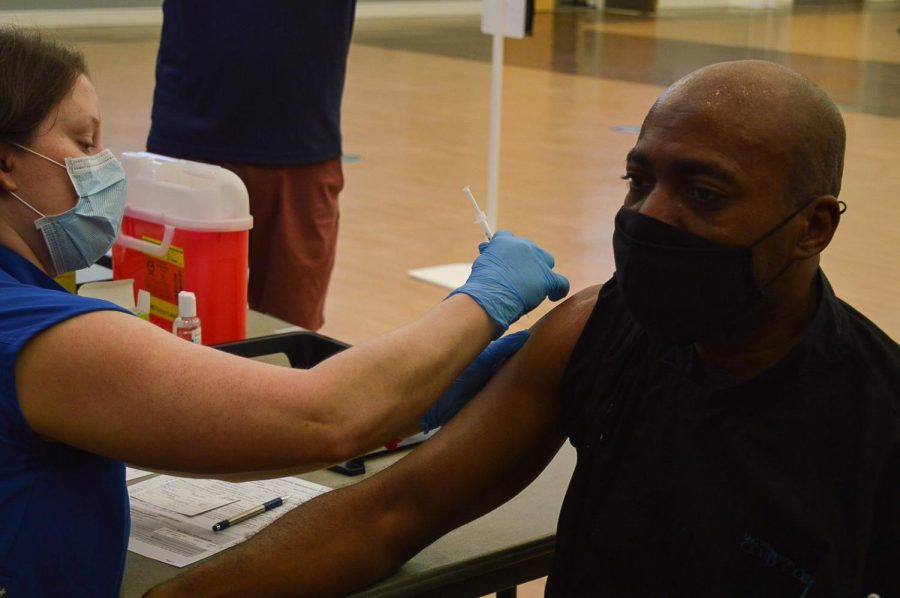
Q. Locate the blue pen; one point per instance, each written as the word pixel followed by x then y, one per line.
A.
pixel 266 506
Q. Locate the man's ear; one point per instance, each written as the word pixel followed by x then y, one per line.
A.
pixel 820 221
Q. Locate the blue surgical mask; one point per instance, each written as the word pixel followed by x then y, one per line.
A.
pixel 79 237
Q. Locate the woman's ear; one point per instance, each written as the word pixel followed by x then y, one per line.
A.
pixel 7 162
pixel 820 219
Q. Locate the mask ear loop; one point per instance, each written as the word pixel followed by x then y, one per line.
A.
pixel 26 204
pixel 790 263
pixel 778 226
pixel 27 149
pixel 842 208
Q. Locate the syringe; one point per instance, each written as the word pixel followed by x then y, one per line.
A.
pixel 480 217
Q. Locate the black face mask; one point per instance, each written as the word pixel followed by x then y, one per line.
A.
pixel 681 287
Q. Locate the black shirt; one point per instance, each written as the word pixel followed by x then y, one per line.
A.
pixel 784 485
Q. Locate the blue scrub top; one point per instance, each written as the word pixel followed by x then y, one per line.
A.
pixel 64 517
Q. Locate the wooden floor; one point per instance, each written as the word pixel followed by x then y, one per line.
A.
pixel 415 132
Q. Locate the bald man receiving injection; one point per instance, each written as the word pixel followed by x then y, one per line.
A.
pixel 737 425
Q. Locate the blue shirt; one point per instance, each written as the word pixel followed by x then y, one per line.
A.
pixel 243 82
pixel 64 517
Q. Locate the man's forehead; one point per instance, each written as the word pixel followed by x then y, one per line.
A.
pixel 757 94
pixel 750 79
pixel 733 120
pixel 768 119
pixel 699 127
pixel 689 143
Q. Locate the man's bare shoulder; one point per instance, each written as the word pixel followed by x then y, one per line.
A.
pixel 567 319
pixel 553 338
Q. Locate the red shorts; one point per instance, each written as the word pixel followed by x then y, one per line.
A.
pixel 294 237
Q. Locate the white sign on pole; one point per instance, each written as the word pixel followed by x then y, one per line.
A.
pixel 504 17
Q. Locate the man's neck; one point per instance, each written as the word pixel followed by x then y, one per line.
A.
pixel 763 336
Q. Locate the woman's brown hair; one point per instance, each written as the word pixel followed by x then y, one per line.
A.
pixel 35 76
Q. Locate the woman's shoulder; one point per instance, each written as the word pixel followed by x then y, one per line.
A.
pixel 26 310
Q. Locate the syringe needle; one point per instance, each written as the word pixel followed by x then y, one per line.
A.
pixel 480 217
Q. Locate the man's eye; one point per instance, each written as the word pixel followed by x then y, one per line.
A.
pixel 704 195
pixel 87 146
pixel 635 181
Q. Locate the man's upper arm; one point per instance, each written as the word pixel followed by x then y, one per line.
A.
pixel 495 446
pixel 489 452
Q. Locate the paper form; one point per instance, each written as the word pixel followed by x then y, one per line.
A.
pixel 133 473
pixel 181 496
pixel 177 539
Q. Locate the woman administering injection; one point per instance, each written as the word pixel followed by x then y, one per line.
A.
pixel 85 386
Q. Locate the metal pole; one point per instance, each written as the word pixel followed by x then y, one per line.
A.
pixel 496 100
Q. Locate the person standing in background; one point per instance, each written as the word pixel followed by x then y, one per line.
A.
pixel 257 90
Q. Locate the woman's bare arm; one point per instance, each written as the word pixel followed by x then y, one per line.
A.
pixel 114 385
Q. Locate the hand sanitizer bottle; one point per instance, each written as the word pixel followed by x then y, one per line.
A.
pixel 187 324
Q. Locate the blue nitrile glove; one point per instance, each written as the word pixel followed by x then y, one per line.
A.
pixel 511 277
pixel 472 380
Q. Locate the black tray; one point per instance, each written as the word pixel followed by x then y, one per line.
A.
pixel 303 349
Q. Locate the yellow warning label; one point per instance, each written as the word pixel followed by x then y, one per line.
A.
pixel 163 279
pixel 163 309
pixel 174 256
